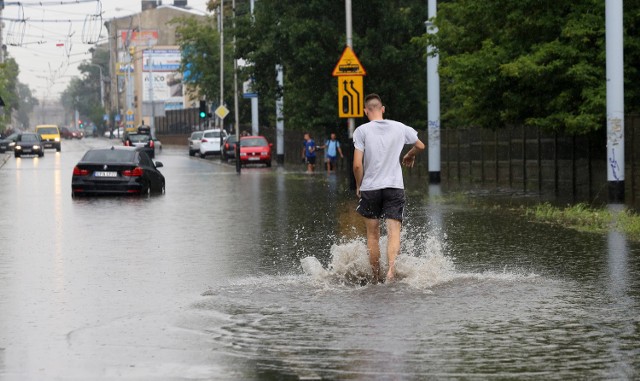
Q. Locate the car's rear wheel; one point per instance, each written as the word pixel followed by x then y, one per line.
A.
pixel 192 153
pixel 203 155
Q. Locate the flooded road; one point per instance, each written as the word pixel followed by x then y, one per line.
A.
pixel 259 277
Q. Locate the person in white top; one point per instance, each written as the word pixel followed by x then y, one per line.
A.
pixel 379 184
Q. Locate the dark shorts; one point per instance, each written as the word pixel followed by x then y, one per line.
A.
pixel 382 203
pixel 311 160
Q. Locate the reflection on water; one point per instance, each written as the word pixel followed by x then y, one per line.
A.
pixel 264 276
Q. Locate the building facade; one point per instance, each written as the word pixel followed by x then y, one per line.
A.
pixel 144 63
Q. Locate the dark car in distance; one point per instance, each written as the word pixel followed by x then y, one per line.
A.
pixel 143 141
pixel 65 133
pixel 117 170
pixel 7 144
pixel 28 143
pixel 228 150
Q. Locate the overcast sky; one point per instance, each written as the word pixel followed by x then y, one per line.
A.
pixel 49 52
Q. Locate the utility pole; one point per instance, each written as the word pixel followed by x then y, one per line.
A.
pixel 433 101
pixel 349 21
pixel 615 100
pixel 236 106
pixel 280 115
pixel 221 59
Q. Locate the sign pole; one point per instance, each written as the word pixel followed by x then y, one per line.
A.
pixel 351 121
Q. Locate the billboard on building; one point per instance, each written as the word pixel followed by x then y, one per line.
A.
pixel 161 79
pixel 143 38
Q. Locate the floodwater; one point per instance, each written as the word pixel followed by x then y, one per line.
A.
pixel 262 277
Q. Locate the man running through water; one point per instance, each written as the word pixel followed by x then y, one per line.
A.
pixel 379 184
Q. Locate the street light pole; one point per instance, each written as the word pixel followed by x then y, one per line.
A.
pixel 101 84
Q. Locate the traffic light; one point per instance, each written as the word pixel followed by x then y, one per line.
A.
pixel 80 125
pixel 203 109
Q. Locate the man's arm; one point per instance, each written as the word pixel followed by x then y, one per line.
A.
pixel 410 158
pixel 358 169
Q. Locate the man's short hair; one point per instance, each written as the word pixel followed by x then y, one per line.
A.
pixel 372 101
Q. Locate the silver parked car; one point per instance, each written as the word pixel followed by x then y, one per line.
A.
pixel 194 142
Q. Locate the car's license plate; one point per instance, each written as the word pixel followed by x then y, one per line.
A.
pixel 105 174
pixel 26 150
pixel 254 158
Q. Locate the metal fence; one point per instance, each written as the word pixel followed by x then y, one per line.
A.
pixel 572 167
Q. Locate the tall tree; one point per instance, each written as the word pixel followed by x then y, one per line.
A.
pixel 26 104
pixel 307 38
pixel 8 81
pixel 83 93
pixel 525 62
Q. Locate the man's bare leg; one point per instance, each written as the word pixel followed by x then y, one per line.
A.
pixel 373 246
pixel 393 246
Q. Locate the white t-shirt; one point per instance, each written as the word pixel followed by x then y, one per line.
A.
pixel 382 142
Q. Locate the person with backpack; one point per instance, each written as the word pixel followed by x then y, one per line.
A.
pixel 332 149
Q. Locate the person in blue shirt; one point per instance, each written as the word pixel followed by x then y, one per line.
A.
pixel 332 149
pixel 309 152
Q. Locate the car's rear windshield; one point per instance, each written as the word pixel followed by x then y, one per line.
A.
pixel 47 130
pixel 109 156
pixel 196 135
pixel 139 138
pixel 29 138
pixel 253 142
pixel 212 134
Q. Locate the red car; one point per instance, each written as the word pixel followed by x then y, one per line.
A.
pixel 255 149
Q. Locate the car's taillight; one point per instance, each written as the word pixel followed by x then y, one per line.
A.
pixel 204 141
pixel 151 143
pixel 80 172
pixel 126 143
pixel 136 172
pixel 226 146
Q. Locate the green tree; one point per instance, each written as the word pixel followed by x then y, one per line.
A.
pixel 83 93
pixel 308 37
pixel 26 104
pixel 8 83
pixel 526 62
pixel 200 64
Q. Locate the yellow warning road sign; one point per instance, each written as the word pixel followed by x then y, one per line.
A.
pixel 350 96
pixel 348 64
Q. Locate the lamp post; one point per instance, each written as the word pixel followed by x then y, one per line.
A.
pixel 127 45
pixel 101 84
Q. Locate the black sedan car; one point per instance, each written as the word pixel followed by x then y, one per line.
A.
pixel 28 143
pixel 7 144
pixel 117 170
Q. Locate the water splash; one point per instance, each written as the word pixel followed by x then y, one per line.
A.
pixel 423 263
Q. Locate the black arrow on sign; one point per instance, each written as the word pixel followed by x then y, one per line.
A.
pixel 346 90
pixel 357 98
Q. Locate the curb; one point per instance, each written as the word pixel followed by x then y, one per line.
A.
pixel 4 160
